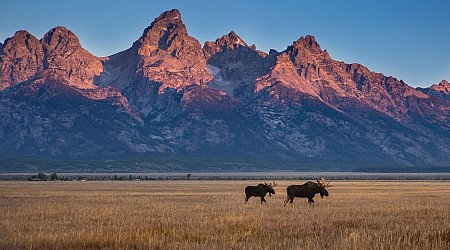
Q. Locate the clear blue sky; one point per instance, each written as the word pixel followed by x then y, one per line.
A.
pixel 407 39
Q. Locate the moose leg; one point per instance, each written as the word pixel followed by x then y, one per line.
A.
pixel 263 200
pixel 286 201
pixel 311 201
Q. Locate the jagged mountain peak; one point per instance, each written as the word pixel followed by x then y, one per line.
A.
pixel 61 36
pixel 173 14
pixel 443 87
pixel 441 90
pixel 58 53
pixel 61 31
pixel 298 103
pixel 21 39
pixel 306 48
pixel 20 59
pixel 233 61
pixel 164 30
pixel 444 83
pixel 165 56
pixel 65 57
pixel 307 41
pixel 228 41
pixel 21 34
pixel 233 38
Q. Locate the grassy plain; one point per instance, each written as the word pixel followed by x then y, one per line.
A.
pixel 212 215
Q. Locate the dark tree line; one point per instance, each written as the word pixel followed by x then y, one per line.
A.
pixel 44 177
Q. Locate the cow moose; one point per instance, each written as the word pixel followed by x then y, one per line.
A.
pixel 260 191
pixel 307 190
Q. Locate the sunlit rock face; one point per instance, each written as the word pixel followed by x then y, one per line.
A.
pixel 441 90
pixel 166 95
pixel 58 54
pixel 164 55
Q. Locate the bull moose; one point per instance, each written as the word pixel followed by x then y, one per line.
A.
pixel 307 190
pixel 260 191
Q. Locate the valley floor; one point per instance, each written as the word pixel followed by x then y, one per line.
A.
pixel 212 215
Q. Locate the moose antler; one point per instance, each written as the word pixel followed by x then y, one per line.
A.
pixel 274 184
pixel 324 183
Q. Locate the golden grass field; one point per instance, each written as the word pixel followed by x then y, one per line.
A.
pixel 212 215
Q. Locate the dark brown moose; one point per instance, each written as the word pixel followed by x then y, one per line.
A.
pixel 307 190
pixel 259 191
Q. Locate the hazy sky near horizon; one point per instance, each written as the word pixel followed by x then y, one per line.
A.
pixel 409 40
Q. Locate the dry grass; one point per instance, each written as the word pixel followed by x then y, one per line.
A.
pixel 212 215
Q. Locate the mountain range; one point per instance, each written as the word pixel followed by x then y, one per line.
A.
pixel 169 104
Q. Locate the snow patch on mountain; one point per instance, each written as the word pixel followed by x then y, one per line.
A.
pixel 218 82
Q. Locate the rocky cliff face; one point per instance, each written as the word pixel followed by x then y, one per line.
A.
pixel 165 55
pixel 233 62
pixel 334 81
pixel 164 59
pixel 49 118
pixel 49 104
pixel 334 99
pixel 58 54
pixel 236 60
pixel 64 57
pixel 441 90
pixel 168 55
pixel 168 95
pixel 21 59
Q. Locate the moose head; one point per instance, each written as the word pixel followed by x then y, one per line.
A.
pixel 271 186
pixel 322 186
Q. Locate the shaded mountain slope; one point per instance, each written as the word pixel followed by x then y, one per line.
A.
pixel 166 97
